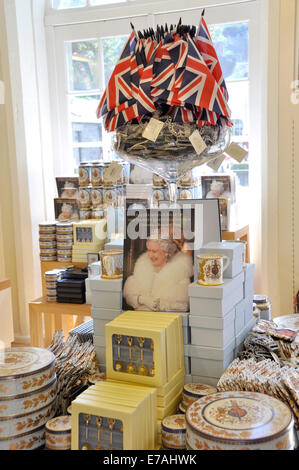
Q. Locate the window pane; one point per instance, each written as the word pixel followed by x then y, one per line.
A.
pixel 89 154
pixel 85 132
pixel 83 65
pixel 60 4
pixel 105 2
pixel 231 43
pixel 85 125
pixel 112 48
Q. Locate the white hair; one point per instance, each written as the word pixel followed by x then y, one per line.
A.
pixel 166 245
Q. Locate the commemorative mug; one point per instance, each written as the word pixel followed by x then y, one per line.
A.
pixel 211 269
pixel 112 264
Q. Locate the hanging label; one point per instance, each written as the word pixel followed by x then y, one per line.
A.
pixel 197 142
pixel 236 152
pixel 216 163
pixel 153 129
pixel 113 172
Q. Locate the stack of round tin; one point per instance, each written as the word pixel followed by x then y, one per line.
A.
pixel 27 397
pixel 51 278
pixel 193 392
pixel 173 430
pixel 47 241
pixel 188 188
pixel 58 433
pixel 64 236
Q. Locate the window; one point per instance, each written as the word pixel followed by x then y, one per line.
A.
pixel 65 4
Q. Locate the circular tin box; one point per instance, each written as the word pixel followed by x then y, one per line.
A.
pixel 181 409
pixel 47 227
pixel 85 196
pixel 64 228
pixel 174 432
pixel 97 196
pixel 85 174
pixel 288 321
pixel 239 421
pixel 26 441
pixel 193 392
pixel 111 196
pixel 58 433
pixel 97 174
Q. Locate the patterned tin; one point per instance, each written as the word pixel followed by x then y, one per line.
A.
pixel 85 174
pixel 158 180
pixel 239 421
pixel 188 179
pixel 64 228
pixel 47 245
pixel 65 238
pixel 111 196
pixel 48 251
pixel 159 193
pixel 85 214
pixel 48 258
pixel 47 237
pixel 193 392
pixel 97 196
pixel 24 370
pixel 174 432
pixel 288 321
pixel 98 213
pixel 85 196
pixel 47 227
pixel 27 422
pixel 67 252
pixel 186 192
pixel 26 441
pixel 97 174
pixel 28 402
pixel 181 409
pixel 68 244
pixel 58 433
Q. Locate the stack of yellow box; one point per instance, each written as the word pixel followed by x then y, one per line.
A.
pixel 147 348
pixel 89 237
pixel 114 416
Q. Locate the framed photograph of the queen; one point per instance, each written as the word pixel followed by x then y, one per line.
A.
pixel 218 186
pixel 158 259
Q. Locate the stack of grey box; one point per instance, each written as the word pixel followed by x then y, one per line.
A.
pixel 220 317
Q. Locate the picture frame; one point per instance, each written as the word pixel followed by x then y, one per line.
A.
pixel 66 210
pixel 67 187
pixel 218 186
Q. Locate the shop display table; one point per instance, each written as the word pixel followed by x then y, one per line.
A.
pixel 239 233
pixel 47 317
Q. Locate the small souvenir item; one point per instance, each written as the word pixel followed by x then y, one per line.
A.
pixel 112 264
pixel 131 368
pixel 111 423
pixel 97 174
pixel 85 174
pixel 86 446
pixel 182 409
pixel 142 369
pixel 211 269
pixel 264 305
pixel 152 371
pixel 193 392
pixel 58 433
pixel 99 421
pixel 288 321
pixel 174 432
pixel 119 365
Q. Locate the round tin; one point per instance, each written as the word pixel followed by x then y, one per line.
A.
pixel 112 264
pixel 193 392
pixel 288 321
pixel 63 228
pixel 182 410
pixel 97 196
pixel 187 179
pixel 26 441
pixel 65 238
pixel 64 245
pixel 186 193
pixel 239 421
pixel 110 196
pixel 53 275
pixel 85 196
pixel 64 259
pixel 97 173
pixel 159 193
pixel 67 252
pixel 98 213
pixel 47 245
pixel 51 292
pixel 47 227
pixel 48 258
pixel 52 299
pixel 85 214
pixel 58 433
pixel 48 251
pixel 158 180
pixel 85 174
pixel 174 432
pixel 49 237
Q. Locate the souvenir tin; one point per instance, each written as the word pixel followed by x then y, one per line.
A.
pixel 98 213
pixel 182 410
pixel 64 245
pixel 28 402
pixel 239 421
pixel 112 264
pixel 48 258
pixel 97 196
pixel 85 174
pixel 51 293
pixel 85 196
pixel 158 180
pixel 48 251
pixel 264 305
pixel 63 253
pixel 288 321
pixel 48 245
pixel 65 238
pixel 174 432
pixel 47 237
pixel 58 433
pixel 47 227
pixel 159 193
pixel 193 392
pixel 111 196
pixel 26 441
pixel 24 370
pixel 64 228
pixel 97 173
pixel 187 192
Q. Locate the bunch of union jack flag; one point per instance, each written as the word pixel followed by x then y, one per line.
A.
pixel 171 72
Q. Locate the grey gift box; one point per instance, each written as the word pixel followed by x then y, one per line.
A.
pixel 105 313
pixel 242 335
pixel 212 331
pixel 115 245
pixel 234 251
pixel 187 365
pixel 211 362
pixel 106 293
pixel 99 341
pixel 249 280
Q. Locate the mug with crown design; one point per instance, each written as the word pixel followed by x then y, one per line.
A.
pixel 211 268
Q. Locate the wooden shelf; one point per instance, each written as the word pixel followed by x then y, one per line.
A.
pixel 5 284
pixel 239 233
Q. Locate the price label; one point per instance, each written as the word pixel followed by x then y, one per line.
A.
pixel 216 164
pixel 113 172
pixel 153 129
pixel 236 152
pixel 197 142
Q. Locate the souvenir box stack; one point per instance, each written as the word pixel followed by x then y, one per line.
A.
pixel 188 188
pixel 114 416
pixel 71 286
pixel 27 397
pixel 64 237
pixel 47 241
pixel 220 316
pixel 51 278
pixel 89 237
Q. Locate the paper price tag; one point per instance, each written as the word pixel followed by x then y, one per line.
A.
pixel 153 129
pixel 216 163
pixel 197 142
pixel 113 172
pixel 236 152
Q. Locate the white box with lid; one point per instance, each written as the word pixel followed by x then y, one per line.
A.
pixel 210 362
pixel 212 331
pixel 234 251
pixel 239 341
pixel 106 294
pixel 249 280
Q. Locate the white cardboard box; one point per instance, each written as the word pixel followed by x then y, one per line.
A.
pixel 211 331
pixel 115 245
pixel 233 250
pixel 249 280
pixel 240 321
pixel 187 365
pixel 99 341
pixel 242 335
pixel 105 313
pixel 211 362
pixel 106 293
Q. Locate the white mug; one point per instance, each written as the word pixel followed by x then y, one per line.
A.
pixel 211 269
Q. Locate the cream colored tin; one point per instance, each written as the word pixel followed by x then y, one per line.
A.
pixel 193 392
pixel 58 433
pixel 65 238
pixel 288 321
pixel 48 245
pixel 47 237
pixel 174 432
pixel 112 264
pixel 239 421
pixel 26 441
pixel 111 196
pixel 85 174
pixel 182 409
pixel 97 174
pixel 85 196
pixel 97 196
pixel 64 228
pixel 45 228
pixel 24 370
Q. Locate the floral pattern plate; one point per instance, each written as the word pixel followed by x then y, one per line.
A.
pixel 288 321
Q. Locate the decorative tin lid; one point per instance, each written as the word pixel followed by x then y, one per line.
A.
pixel 260 299
pixel 288 321
pixel 62 424
pixel 174 424
pixel 19 362
pixel 198 390
pixel 239 417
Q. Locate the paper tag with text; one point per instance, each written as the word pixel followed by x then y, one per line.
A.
pixel 236 152
pixel 216 163
pixel 153 129
pixel 197 142
pixel 113 172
